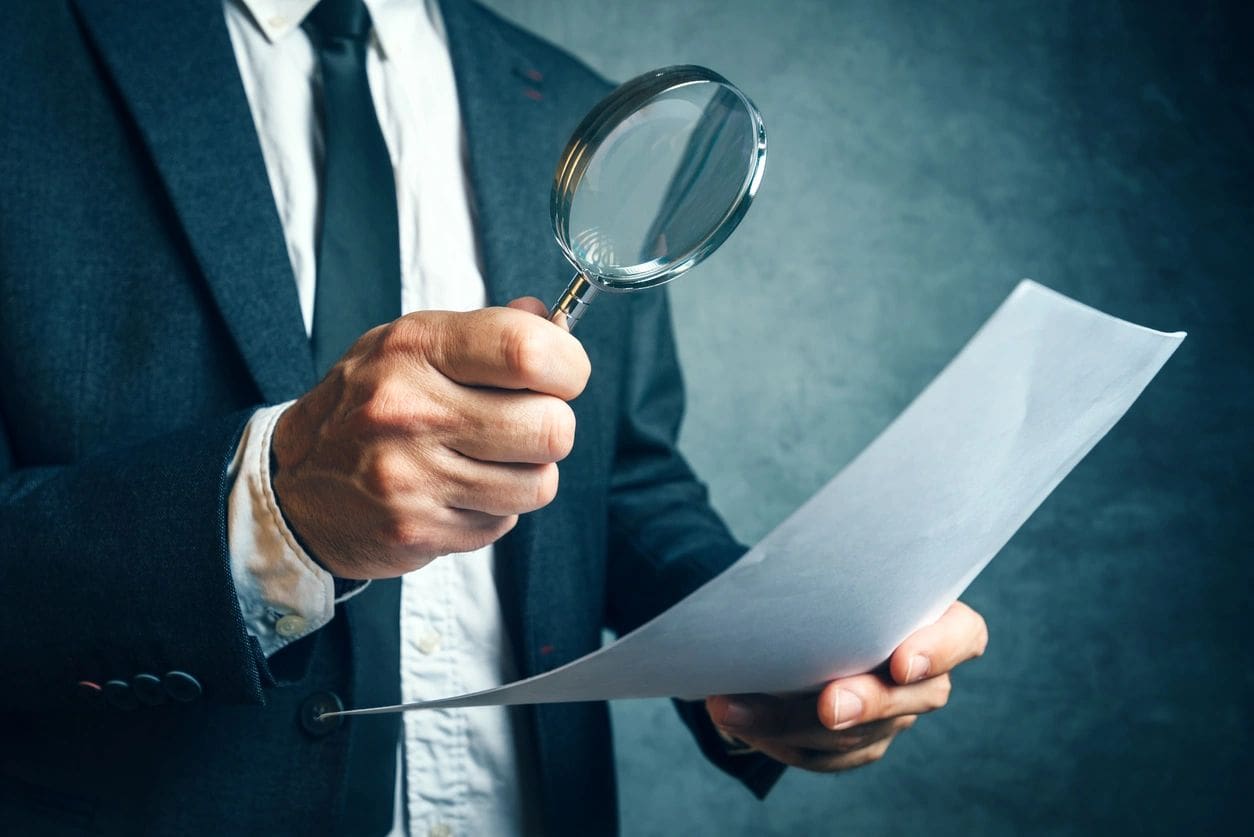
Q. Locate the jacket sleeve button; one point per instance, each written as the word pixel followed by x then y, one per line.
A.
pixel 87 691
pixel 148 690
pixel 181 686
pixel 118 694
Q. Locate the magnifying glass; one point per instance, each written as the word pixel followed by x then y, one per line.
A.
pixel 653 180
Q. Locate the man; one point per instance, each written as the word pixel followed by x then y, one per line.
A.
pixel 218 427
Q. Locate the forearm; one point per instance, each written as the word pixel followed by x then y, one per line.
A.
pixel 118 565
pixel 665 540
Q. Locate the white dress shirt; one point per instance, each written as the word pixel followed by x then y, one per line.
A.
pixel 460 767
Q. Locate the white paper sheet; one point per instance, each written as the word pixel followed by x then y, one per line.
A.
pixel 899 533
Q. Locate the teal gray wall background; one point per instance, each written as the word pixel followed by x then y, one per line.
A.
pixel 923 159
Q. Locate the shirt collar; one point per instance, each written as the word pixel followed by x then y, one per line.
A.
pixel 279 18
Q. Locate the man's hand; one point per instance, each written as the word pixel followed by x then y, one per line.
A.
pixel 430 436
pixel 853 720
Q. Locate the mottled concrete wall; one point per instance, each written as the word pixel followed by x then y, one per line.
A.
pixel 923 160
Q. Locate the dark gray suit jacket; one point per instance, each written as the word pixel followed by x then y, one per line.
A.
pixel 147 308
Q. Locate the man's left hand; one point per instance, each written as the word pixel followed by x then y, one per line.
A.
pixel 854 720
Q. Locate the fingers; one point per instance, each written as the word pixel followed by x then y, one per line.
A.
pixel 958 636
pixel 853 720
pixel 500 489
pixel 841 705
pixel 866 697
pixel 500 426
pixel 795 723
pixel 822 761
pixel 448 531
pixel 429 437
pixel 788 731
pixel 467 530
pixel 506 348
pixel 410 480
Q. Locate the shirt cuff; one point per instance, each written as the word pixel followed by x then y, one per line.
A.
pixel 283 593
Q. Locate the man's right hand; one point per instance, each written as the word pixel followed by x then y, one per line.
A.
pixel 430 436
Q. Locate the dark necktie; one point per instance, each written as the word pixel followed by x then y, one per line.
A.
pixel 359 272
pixel 359 287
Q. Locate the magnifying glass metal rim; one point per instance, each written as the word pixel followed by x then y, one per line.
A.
pixel 588 138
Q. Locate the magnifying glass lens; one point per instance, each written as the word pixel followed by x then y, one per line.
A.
pixel 654 179
pixel 661 181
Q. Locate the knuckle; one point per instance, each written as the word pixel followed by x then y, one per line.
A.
pixel 369 343
pixel 981 642
pixel 546 485
pixel 582 367
pixel 470 540
pixel 383 407
pixel 433 414
pixel 941 690
pixel 386 474
pixel 522 352
pixel 404 532
pixel 483 532
pixel 503 527
pixel 401 335
pixel 876 702
pixel 876 752
pixel 557 431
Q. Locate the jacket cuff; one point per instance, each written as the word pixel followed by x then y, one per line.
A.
pixel 757 772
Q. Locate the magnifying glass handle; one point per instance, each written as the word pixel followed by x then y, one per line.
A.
pixel 573 302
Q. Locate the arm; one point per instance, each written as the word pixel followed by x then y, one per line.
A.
pixel 117 566
pixel 665 539
pixel 661 522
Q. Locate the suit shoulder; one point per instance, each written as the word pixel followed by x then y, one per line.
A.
pixel 558 64
pixel 31 29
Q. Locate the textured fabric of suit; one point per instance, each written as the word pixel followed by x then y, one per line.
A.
pixel 146 309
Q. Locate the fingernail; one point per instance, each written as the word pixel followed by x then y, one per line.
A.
pixel 737 715
pixel 848 708
pixel 919 666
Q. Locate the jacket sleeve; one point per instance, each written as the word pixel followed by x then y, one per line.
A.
pixel 117 566
pixel 665 540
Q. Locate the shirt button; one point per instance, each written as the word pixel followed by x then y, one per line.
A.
pixel 290 626
pixel 276 21
pixel 429 641
pixel 440 830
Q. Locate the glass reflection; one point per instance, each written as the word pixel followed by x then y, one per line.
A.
pixel 663 180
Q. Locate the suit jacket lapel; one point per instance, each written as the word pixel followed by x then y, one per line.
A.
pixel 508 115
pixel 175 69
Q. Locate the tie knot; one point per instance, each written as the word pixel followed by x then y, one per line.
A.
pixel 333 20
